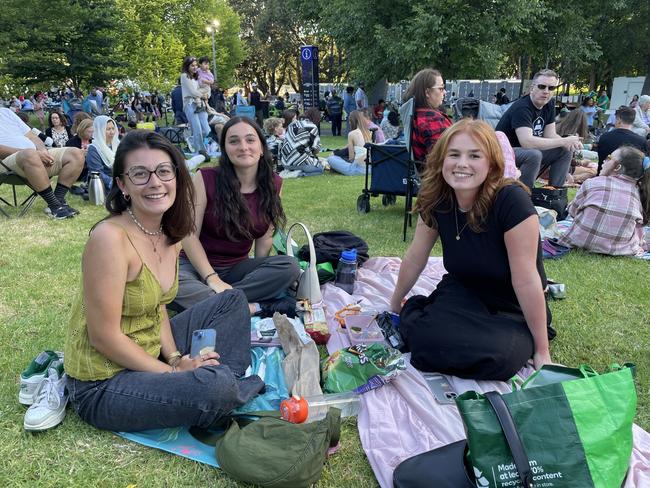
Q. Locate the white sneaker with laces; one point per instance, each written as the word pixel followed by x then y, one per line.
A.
pixel 51 399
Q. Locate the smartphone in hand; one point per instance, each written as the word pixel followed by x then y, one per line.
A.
pixel 203 342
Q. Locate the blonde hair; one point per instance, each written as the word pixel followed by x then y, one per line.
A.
pixel 435 193
pixel 82 128
pixel 358 120
pixel 271 124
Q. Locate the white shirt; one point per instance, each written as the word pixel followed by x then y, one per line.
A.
pixel 360 96
pixel 13 130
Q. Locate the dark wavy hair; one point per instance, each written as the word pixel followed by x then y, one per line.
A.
pixel 230 206
pixel 62 118
pixel 178 220
pixel 187 62
pixel 435 193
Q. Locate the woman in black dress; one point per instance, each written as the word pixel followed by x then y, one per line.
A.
pixel 488 316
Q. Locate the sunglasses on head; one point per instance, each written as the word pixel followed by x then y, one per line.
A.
pixel 544 87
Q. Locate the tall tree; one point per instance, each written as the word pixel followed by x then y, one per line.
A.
pixel 159 34
pixel 76 42
pixel 394 38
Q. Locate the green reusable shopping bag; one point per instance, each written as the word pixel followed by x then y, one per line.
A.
pixel 576 433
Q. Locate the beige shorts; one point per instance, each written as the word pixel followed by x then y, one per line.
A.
pixel 56 153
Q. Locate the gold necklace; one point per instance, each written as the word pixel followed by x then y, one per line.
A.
pixel 150 235
pixel 154 245
pixel 458 232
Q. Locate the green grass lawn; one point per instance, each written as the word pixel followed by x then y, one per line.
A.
pixel 603 320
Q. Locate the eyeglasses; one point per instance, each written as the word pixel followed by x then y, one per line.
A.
pixel 139 175
pixel 544 87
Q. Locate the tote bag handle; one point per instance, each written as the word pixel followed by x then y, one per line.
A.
pixel 308 285
pixel 519 455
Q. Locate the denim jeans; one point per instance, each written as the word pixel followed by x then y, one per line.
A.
pixel 530 161
pixel 260 279
pixel 346 168
pixel 133 400
pixel 199 125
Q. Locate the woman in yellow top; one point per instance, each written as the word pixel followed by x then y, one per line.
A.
pixel 127 363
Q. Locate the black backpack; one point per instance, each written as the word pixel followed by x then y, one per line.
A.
pixel 330 245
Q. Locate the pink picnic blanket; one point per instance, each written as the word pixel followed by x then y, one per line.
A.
pixel 402 418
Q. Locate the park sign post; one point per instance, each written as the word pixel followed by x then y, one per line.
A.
pixel 309 62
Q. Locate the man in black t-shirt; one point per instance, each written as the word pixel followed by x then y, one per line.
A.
pixel 529 124
pixel 621 135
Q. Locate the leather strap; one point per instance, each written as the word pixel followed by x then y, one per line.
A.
pixel 512 437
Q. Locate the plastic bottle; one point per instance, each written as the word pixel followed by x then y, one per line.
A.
pixel 347 403
pixel 96 189
pixel 298 409
pixel 346 270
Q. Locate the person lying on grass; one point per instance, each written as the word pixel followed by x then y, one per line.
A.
pixel 487 317
pixel 127 363
pixel 610 210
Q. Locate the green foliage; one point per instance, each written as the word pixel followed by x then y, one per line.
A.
pixel 58 40
pixel 395 39
pixel 158 35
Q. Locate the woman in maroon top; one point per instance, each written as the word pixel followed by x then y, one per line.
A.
pixel 237 205
pixel 428 92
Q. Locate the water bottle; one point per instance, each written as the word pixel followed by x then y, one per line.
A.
pixel 309 409
pixel 96 189
pixel 346 270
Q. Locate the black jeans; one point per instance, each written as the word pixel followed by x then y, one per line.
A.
pixel 336 124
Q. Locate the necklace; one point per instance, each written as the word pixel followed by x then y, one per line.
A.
pixel 141 227
pixel 458 232
pixel 150 235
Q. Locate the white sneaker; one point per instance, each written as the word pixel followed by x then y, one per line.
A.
pixel 49 408
pixel 32 377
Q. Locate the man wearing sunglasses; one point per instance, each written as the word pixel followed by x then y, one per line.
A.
pixel 529 124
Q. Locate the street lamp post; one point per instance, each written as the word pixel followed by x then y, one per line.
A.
pixel 212 28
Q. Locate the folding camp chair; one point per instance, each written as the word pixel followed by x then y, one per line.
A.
pixel 177 135
pixel 407 114
pixel 13 179
pixel 391 173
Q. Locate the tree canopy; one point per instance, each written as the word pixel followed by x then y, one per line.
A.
pixel 94 41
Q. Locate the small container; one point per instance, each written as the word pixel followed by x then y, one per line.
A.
pixel 363 329
pixel 96 194
pixel 294 409
pixel 346 271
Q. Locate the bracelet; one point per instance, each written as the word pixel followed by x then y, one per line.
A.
pixel 174 358
pixel 174 368
pixel 208 275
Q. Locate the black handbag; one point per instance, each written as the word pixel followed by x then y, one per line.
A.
pixel 448 467
pixel 553 199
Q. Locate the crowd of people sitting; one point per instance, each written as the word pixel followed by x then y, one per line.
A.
pixel 174 240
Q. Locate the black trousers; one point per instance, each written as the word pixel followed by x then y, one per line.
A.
pixel 336 124
pixel 452 332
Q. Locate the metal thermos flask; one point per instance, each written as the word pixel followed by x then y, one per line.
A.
pixel 96 189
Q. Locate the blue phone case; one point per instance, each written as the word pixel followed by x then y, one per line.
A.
pixel 203 341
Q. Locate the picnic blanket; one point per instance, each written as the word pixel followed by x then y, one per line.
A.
pixel 266 362
pixel 402 418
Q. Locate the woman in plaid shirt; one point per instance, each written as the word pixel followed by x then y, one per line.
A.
pixel 610 210
pixel 428 92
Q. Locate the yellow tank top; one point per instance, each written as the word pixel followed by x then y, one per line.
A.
pixel 141 319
